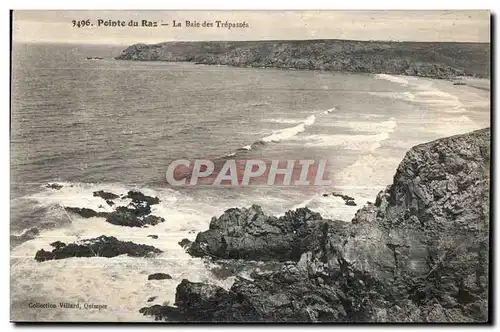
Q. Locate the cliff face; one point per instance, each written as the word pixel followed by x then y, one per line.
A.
pixel 419 254
pixel 406 58
pixel 428 233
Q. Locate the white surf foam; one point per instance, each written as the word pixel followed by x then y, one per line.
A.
pixel 330 207
pixel 283 120
pixel 360 142
pixel 348 142
pixel 404 96
pixel 392 78
pixel 287 133
pixel 424 93
pixel 103 280
pixel 368 125
pixel 328 111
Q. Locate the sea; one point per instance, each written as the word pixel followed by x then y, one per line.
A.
pixel 115 125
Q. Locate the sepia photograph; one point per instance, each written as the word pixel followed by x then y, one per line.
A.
pixel 250 166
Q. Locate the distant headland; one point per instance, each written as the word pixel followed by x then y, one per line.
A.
pixel 425 59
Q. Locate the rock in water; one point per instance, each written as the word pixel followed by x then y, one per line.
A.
pixel 124 216
pixel 102 246
pixel 137 197
pixel 348 200
pixel 55 186
pixel 105 195
pixel 86 213
pixel 137 215
pixel 159 276
pixel 419 254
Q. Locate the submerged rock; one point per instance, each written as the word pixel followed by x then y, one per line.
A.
pixel 344 197
pixel 55 186
pixel 153 236
pixel 348 200
pixel 105 195
pixel 159 276
pixel 86 213
pixel 102 246
pixel 124 216
pixel 137 197
pixel 136 215
pixel 420 253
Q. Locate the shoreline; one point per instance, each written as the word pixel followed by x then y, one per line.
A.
pixel 431 60
pixel 480 83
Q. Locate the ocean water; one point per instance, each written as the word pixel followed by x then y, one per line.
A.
pixel 116 125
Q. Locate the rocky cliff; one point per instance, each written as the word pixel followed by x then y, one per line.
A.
pixel 420 253
pixel 439 60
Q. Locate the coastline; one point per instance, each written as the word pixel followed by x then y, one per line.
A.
pixel 310 270
pixel 115 277
pixel 432 60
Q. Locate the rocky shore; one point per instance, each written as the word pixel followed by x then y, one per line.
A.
pixel 137 213
pixel 103 246
pixel 250 234
pixel 437 60
pixel 420 253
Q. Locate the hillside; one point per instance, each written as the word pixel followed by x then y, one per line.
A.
pixel 438 60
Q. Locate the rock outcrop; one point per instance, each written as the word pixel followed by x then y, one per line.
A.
pixel 136 214
pixel 439 60
pixel 135 217
pixel 159 276
pixel 105 195
pixel 420 253
pixel 251 234
pixel 139 198
pixel 55 186
pixel 102 246
pixel 428 233
pixel 348 200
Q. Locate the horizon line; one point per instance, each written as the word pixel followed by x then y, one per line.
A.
pixel 246 40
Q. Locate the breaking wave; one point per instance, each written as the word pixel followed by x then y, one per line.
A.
pixel 278 135
pixel 287 133
pixel 395 79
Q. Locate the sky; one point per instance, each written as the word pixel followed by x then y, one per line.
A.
pixel 443 26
